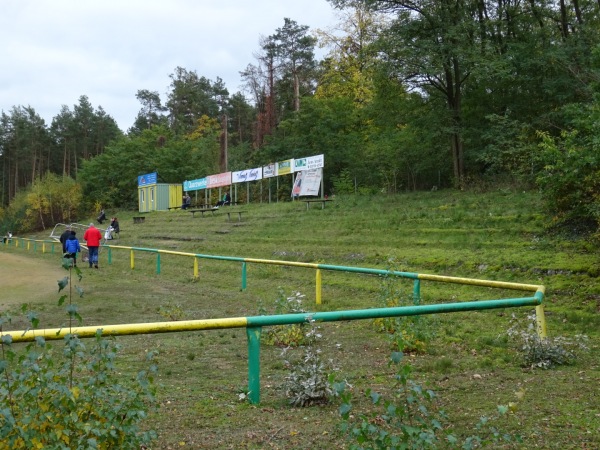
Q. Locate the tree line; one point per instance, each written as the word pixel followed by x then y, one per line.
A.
pixel 409 95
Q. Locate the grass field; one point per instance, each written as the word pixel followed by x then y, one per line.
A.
pixel 468 362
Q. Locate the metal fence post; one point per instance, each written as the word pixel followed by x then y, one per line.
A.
pixel 253 334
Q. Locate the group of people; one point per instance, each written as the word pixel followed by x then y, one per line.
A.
pixel 112 228
pixel 187 201
pixel 225 201
pixel 92 237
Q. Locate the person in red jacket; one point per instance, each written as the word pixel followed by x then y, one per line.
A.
pixel 93 237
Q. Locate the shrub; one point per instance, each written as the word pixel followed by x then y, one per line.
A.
pixel 308 383
pixel 72 398
pixel 407 334
pixel 286 335
pixel 544 353
pixel 410 420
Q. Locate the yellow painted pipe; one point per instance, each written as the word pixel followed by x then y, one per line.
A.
pixel 132 260
pixel 318 293
pixel 475 282
pixel 129 329
pixel 195 267
pixel 283 263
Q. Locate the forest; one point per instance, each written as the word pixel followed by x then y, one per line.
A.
pixel 410 95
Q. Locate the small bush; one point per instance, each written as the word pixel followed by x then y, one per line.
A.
pixel 308 383
pixel 72 398
pixel 544 353
pixel 411 420
pixel 407 334
pixel 286 335
pixel 171 311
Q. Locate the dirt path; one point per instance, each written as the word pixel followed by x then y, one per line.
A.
pixel 25 279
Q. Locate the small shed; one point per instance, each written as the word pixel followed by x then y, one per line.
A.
pixel 153 196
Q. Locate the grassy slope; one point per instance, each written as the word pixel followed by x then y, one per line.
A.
pixel 496 236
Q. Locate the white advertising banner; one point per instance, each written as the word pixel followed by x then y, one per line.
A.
pixel 307 182
pixel 270 171
pixel 309 163
pixel 247 175
pixel 315 162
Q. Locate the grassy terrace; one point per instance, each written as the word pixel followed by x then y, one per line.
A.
pixel 469 362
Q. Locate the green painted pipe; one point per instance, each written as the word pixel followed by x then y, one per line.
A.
pixel 417 292
pixel 244 276
pixel 374 313
pixel 158 263
pixel 253 334
pixel 254 325
pixel 381 272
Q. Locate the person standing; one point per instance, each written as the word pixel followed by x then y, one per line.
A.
pixel 187 201
pixel 63 239
pixel 72 248
pixel 93 237
pixel 102 217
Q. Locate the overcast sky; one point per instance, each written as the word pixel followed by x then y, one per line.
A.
pixel 54 51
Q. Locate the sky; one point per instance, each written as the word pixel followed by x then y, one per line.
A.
pixel 55 51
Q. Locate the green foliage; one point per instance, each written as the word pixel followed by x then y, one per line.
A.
pixel 407 334
pixel 343 183
pixel 570 178
pixel 70 398
pixel 411 419
pixel 286 335
pixel 49 200
pixel 111 178
pixel 544 352
pixel 171 311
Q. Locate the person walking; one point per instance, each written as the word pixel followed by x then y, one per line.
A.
pixel 93 237
pixel 72 248
pixel 63 239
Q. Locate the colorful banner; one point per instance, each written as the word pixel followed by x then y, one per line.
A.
pixel 222 179
pixel 149 178
pixel 247 175
pixel 270 170
pixel 285 167
pixel 195 185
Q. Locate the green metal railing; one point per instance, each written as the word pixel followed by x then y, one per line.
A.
pixel 416 277
pixel 254 325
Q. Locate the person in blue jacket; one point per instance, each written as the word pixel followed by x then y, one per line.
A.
pixel 72 247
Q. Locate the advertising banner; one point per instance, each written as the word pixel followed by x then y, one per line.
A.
pixel 149 178
pixel 315 162
pixel 285 167
pixel 222 179
pixel 311 162
pixel 270 170
pixel 300 164
pixel 247 175
pixel 307 182
pixel 310 182
pixel 194 185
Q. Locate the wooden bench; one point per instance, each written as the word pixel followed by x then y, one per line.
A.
pixel 239 213
pixel 202 211
pixel 322 201
pixel 139 219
